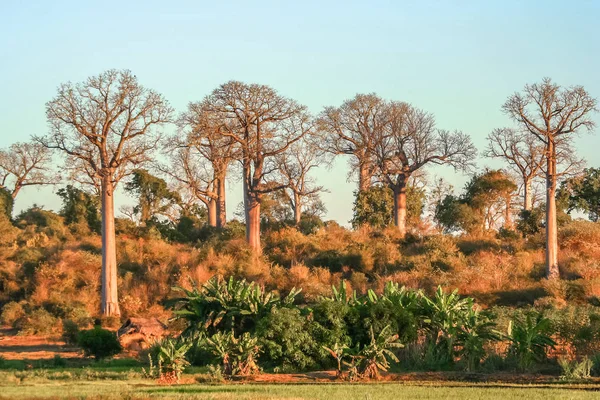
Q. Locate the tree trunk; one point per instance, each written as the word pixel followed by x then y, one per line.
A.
pixel 221 204
pixel 527 199
pixel 400 208
pixel 212 212
pixel 508 222
pixel 364 178
pixel 297 209
pixel 253 224
pixel 552 271
pixel 109 298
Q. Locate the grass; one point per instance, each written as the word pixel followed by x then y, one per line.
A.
pixel 144 389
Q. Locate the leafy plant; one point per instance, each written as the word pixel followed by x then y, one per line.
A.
pixel 237 355
pixel 99 343
pixel 171 357
pixel 226 305
pixel 338 352
pixel 477 329
pixel 530 339
pixel 368 361
pixel 575 370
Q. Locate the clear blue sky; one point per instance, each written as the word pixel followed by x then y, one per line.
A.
pixel 457 59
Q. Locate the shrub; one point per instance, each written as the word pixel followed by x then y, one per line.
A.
pixel 37 322
pixel 99 343
pixel 169 355
pixel 12 312
pixel 286 340
pixel 70 331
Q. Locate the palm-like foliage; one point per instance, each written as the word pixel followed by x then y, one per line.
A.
pixel 341 295
pixel 226 305
pixel 477 328
pixel 237 355
pixel 375 356
pixel 171 356
pixel 530 339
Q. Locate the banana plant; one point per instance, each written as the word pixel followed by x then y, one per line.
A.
pixel 530 339
pixel 226 304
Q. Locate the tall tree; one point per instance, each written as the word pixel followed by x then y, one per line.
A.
pixel 263 124
pixel 351 129
pixel 25 164
pixel 553 115
pixel 294 167
pixel 523 153
pixel 583 193
pixel 410 141
pixel 108 123
pixel 207 143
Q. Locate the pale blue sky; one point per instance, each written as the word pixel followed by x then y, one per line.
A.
pixel 457 59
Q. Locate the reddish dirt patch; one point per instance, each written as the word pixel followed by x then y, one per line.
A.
pixel 15 347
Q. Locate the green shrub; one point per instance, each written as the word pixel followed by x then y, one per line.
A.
pixel 286 340
pixel 11 312
pixel 99 343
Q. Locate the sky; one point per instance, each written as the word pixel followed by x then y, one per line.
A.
pixel 459 60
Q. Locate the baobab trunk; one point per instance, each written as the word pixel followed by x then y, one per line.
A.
pixel 109 299
pixel 212 212
pixel 400 208
pixel 527 199
pixel 253 224
pixel 552 271
pixel 364 178
pixel 297 209
pixel 221 204
pixel 508 222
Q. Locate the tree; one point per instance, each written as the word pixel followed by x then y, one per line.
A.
pixel 80 208
pixel 294 167
pixel 6 203
pixel 25 164
pixel 351 129
pixel 375 206
pixel 583 193
pixel 109 124
pixel 202 167
pixel 409 142
pixel 263 124
pixel 153 194
pixel 523 152
pixel 553 115
pixel 485 201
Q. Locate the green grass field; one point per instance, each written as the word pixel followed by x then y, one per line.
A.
pixel 144 389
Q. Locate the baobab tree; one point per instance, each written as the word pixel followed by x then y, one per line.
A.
pixel 408 142
pixel 207 160
pixel 553 115
pixel 524 154
pixel 192 174
pixel 263 124
pixel 294 167
pixel 109 124
pixel 351 129
pixel 25 164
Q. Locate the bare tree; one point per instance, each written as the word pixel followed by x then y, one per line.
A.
pixel 553 115
pixel 193 174
pixel 207 137
pixel 409 142
pixel 351 129
pixel 263 124
pixel 108 123
pixel 25 164
pixel 294 167
pixel 524 154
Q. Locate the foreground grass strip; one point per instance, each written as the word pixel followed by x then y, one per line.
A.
pixel 146 390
